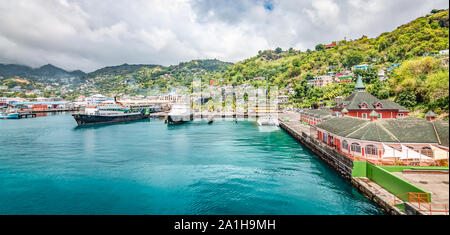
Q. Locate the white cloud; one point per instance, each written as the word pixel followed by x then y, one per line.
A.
pixel 89 34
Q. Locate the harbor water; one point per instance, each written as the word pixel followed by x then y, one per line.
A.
pixel 50 166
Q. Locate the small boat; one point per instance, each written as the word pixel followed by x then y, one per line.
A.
pixel 180 113
pixel 268 120
pixel 210 118
pixel 9 116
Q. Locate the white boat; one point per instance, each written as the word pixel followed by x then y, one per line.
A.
pixel 210 118
pixel 268 120
pixel 180 113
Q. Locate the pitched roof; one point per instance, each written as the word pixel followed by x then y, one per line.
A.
pixel 318 113
pixel 354 100
pixel 403 130
pixel 442 129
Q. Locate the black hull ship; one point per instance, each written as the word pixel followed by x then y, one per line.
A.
pixel 109 113
pixel 86 119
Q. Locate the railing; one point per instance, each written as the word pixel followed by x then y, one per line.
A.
pixel 422 201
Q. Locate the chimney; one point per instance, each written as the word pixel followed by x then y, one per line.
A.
pixel 431 116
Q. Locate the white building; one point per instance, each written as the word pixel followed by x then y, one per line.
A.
pixel 97 99
pixel 322 81
pixel 381 75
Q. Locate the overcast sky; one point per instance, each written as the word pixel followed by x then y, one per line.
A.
pixel 89 34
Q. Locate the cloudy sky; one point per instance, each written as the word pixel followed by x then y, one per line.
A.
pixel 89 34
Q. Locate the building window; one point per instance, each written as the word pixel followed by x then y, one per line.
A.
pixel 325 137
pixel 345 145
pixel 355 147
pixel 364 115
pixel 380 116
pixel 400 115
pixel 371 150
pixel 427 151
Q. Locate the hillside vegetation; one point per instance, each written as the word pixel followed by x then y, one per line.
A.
pixel 419 83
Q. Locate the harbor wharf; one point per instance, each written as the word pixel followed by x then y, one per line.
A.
pixel 54 110
pixel 27 115
pixel 342 164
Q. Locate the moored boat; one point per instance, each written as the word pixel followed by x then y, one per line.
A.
pixel 109 113
pixel 180 113
pixel 9 116
pixel 268 120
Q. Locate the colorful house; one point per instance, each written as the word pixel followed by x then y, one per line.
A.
pixel 361 104
pixel 323 80
pixel 362 66
pixel 329 46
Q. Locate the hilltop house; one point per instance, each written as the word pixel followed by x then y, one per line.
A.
pixel 381 75
pixel 344 77
pixel 361 104
pixel 17 89
pixel 361 66
pixel 329 46
pixel 323 80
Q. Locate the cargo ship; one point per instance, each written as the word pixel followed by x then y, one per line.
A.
pixel 109 113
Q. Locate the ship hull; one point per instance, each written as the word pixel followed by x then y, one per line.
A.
pixel 84 119
pixel 179 119
pixel 10 116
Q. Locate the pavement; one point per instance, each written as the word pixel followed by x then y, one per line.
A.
pixel 436 184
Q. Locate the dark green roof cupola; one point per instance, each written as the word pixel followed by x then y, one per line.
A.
pixel 359 85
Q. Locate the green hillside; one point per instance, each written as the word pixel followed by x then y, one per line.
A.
pixel 407 45
pixel 140 79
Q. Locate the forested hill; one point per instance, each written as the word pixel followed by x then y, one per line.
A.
pixel 425 34
pixel 134 79
pixel 407 45
pixel 419 80
pixel 46 74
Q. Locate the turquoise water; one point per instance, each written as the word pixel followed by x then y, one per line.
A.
pixel 48 166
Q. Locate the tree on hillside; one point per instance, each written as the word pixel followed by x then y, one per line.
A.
pixel 319 47
pixel 353 58
pixel 369 75
pixel 278 50
pixel 407 98
pixel 434 11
